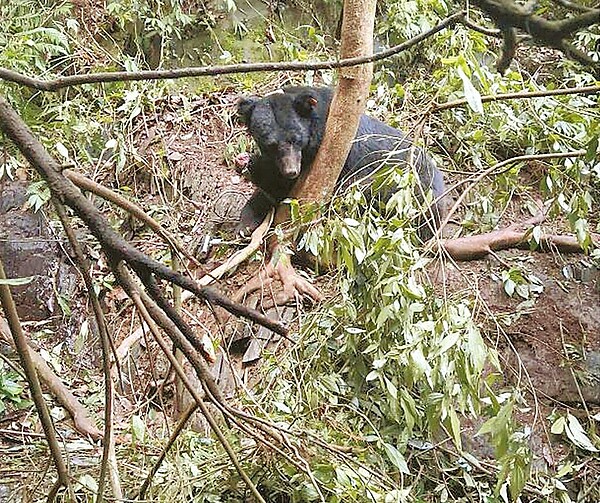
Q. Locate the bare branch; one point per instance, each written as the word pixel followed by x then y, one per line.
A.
pixel 204 71
pixel 154 317
pixel 509 49
pixel 481 29
pixel 521 95
pixel 107 347
pixel 85 183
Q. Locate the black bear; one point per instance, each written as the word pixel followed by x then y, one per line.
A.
pixel 288 128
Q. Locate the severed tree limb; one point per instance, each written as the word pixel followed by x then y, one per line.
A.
pixel 81 420
pixel 514 236
pixel 115 247
pixel 12 318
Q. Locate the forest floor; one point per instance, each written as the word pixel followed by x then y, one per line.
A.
pixel 549 343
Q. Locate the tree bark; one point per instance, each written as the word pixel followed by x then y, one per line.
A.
pixel 348 104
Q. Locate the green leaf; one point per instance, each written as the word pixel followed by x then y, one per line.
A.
pixel 517 479
pixel 396 457
pixel 471 94
pixel 138 428
pixel 422 364
pixel 577 434
pixel 449 341
pixel 455 427
pixel 592 149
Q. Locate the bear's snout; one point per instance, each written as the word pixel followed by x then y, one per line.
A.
pixel 290 162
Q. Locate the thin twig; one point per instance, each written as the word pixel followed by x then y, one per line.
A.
pixel 94 78
pixel 105 340
pixel 492 170
pixel 185 417
pixel 149 311
pixel 520 95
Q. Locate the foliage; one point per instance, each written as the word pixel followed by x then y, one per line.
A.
pixel 11 391
pixel 32 34
pixel 390 375
pixel 460 62
pixel 388 348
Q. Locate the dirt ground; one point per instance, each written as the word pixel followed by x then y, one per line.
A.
pixel 186 178
pixel 550 342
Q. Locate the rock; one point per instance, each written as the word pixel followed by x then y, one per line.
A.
pixel 27 249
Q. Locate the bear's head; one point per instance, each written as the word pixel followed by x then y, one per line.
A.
pixel 283 125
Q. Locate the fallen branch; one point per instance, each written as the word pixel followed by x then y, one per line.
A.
pixel 85 183
pixel 156 317
pixel 515 236
pixel 81 420
pixel 232 262
pixel 520 95
pixel 108 463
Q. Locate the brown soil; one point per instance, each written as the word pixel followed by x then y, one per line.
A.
pixel 550 343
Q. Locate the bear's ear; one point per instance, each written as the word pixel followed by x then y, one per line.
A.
pixel 245 107
pixel 305 104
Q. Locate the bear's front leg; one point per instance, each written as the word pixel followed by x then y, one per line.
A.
pixel 254 212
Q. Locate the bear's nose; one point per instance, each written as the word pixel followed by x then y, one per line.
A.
pixel 290 162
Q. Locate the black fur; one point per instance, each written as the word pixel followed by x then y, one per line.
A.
pixel 288 128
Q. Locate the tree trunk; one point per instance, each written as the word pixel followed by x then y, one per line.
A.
pixel 346 107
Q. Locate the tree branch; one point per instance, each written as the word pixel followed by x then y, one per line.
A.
pixel 521 95
pixel 10 311
pixel 85 183
pixel 509 15
pixel 204 71
pixel 113 244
